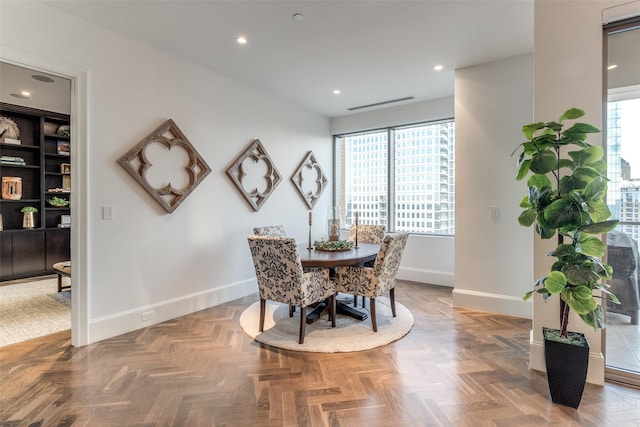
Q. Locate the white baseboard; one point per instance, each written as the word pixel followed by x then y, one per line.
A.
pixel 432 277
pixel 595 372
pixel 127 321
pixel 494 303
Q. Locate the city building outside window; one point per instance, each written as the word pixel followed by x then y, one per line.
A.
pixel 399 177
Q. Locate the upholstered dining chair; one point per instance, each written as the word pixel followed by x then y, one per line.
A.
pixel 270 230
pixel 366 233
pixel 281 278
pixel 371 282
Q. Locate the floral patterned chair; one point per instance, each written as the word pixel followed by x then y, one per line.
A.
pixel 270 230
pixel 281 278
pixel 366 234
pixel 373 281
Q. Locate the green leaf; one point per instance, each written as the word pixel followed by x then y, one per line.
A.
pixel 581 274
pixel 599 211
pixel 590 246
pixel 555 282
pixel 530 129
pixel 539 181
pixel 577 304
pixel 587 156
pixel 581 128
pixel 582 292
pixel 563 212
pixel 571 114
pixel 600 227
pixel 595 318
pixel 527 217
pixel 523 169
pixel 543 162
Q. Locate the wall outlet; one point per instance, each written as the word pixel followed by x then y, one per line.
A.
pixel 495 211
pixel 149 315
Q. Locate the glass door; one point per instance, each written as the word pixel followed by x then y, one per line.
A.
pixel 622 336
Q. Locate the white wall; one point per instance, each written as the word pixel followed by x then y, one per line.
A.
pixel 145 259
pixel 568 73
pixel 492 254
pixel 427 259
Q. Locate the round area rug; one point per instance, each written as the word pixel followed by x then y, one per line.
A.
pixel 350 334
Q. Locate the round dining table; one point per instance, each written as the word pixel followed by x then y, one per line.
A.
pixel 314 258
pixel 328 259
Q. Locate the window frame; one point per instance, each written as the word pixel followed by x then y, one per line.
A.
pixel 391 213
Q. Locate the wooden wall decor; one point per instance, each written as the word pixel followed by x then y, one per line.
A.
pixel 310 180
pixel 137 164
pixel 240 173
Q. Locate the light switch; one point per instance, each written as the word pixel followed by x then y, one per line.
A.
pixel 495 212
pixel 107 212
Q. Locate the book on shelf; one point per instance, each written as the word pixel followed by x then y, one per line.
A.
pixel 12 160
pixel 11 141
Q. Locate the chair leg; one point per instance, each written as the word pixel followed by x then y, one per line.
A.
pixel 332 310
pixel 303 322
pixel 263 304
pixel 392 297
pixel 372 311
pixel 355 300
pixel 292 308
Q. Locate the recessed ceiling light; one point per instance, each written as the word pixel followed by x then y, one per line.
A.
pixel 242 40
pixel 611 67
pixel 298 17
pixel 438 67
pixel 42 78
pixel 336 91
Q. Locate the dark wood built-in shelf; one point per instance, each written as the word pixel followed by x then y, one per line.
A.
pixel 32 252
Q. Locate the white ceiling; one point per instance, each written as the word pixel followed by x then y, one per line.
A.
pixel 373 51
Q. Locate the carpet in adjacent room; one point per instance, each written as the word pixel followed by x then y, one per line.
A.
pixel 33 309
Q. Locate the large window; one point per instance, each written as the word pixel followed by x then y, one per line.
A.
pixel 402 177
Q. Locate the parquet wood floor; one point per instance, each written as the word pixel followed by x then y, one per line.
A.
pixel 455 368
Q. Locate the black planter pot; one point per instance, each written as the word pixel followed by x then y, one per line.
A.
pixel 567 365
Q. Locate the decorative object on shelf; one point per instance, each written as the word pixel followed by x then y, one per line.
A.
pixel 58 190
pixel 11 188
pixel 310 180
pixel 66 183
pixel 28 219
pixel 65 168
pixel 58 202
pixel 572 209
pixel 51 129
pixel 253 165
pixel 64 131
pixel 64 148
pixel 137 163
pixel 333 246
pixel 9 128
pixel 65 221
pixel 333 223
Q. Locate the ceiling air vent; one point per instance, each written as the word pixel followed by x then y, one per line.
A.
pixel 377 104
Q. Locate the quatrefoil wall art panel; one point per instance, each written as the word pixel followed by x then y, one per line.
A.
pixel 310 180
pixel 166 165
pixel 254 174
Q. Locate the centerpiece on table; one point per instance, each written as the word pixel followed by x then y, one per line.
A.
pixel 333 245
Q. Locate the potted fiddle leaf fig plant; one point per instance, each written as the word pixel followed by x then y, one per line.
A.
pixel 567 185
